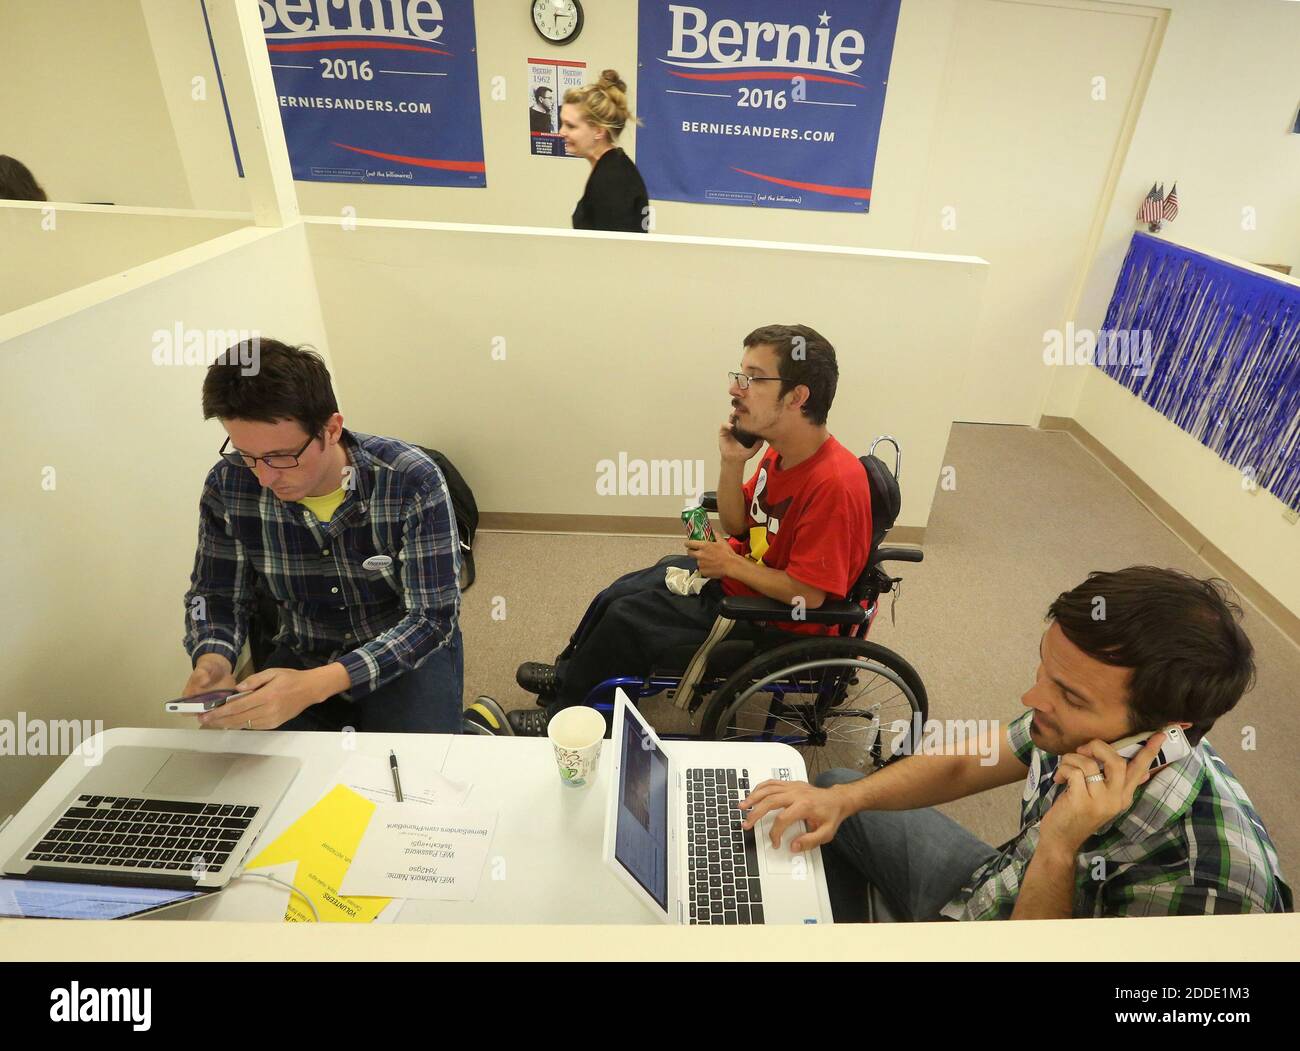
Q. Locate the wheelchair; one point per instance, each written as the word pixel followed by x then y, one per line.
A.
pixel 838 699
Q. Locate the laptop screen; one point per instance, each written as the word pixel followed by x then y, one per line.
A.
pixel 35 899
pixel 641 826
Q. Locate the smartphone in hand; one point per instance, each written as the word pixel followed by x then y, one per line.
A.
pixel 203 702
pixel 744 437
pixel 1175 746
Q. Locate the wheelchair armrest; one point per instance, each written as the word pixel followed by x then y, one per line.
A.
pixel 751 608
pixel 709 501
pixel 899 554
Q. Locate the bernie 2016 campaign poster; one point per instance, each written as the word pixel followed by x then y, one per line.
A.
pixel 382 92
pixel 766 103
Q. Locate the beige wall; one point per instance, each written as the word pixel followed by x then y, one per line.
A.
pixel 97 565
pixel 82 106
pixel 49 249
pixel 636 365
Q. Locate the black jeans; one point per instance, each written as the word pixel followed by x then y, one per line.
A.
pixel 425 700
pixel 630 625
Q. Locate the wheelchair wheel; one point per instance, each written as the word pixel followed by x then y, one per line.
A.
pixel 839 702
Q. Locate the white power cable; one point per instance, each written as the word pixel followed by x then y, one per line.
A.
pixel 275 879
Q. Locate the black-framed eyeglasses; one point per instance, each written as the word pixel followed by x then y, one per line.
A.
pixel 743 379
pixel 279 461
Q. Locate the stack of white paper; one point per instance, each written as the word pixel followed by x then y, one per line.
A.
pixel 428 846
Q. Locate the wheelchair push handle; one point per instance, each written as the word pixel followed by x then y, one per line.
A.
pixel 898 453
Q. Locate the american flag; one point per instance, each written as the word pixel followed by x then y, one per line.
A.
pixel 1150 210
pixel 1170 207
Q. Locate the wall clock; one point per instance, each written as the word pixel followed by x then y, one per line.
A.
pixel 557 21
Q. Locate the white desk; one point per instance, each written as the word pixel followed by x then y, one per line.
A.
pixel 547 844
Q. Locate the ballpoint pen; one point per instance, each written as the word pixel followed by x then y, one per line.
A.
pixel 397 781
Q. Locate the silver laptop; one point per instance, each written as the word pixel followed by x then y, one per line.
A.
pixel 673 835
pixel 146 829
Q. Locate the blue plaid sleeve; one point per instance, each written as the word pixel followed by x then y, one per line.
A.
pixel 220 599
pixel 430 569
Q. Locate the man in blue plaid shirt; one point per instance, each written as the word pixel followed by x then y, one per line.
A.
pixel 354 538
pixel 1131 651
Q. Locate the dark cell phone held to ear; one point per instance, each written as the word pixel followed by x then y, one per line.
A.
pixel 744 437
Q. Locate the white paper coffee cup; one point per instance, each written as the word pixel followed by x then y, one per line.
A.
pixel 576 735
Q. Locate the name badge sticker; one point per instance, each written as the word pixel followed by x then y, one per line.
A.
pixel 1031 782
pixel 375 562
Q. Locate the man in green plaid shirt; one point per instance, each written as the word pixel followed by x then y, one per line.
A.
pixel 1130 651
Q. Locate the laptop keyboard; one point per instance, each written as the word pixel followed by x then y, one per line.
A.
pixel 143 834
pixel 723 857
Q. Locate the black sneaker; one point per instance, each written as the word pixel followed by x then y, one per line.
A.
pixel 538 678
pixel 529 722
pixel 485 716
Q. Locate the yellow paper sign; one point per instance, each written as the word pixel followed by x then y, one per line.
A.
pixel 323 842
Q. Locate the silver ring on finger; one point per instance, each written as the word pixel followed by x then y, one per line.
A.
pixel 1095 777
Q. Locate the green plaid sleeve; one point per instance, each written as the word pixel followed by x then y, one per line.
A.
pixel 1172 898
pixel 1018 736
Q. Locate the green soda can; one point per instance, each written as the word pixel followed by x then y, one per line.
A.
pixel 696 520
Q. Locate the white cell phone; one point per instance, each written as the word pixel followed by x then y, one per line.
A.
pixel 1175 745
pixel 203 702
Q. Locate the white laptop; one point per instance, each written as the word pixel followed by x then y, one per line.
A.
pixel 673 836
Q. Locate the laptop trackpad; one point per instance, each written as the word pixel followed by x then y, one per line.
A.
pixel 189 774
pixel 779 862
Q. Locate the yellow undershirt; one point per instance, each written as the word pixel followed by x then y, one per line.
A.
pixel 323 507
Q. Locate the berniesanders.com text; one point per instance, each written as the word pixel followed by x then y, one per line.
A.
pixel 376 105
pixel 758 131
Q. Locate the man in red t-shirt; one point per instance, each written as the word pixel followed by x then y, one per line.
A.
pixel 800 529
pixel 801 525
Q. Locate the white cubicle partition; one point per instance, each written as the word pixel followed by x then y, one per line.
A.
pixel 48 247
pixel 105 455
pixel 530 356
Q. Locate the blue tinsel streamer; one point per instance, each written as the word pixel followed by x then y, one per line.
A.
pixel 1225 356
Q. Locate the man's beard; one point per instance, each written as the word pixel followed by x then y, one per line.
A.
pixel 746 438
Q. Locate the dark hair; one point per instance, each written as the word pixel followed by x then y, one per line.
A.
pixel 1190 660
pixel 813 366
pixel 537 92
pixel 286 383
pixel 17 183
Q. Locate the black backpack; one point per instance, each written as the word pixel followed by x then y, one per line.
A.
pixel 466 511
